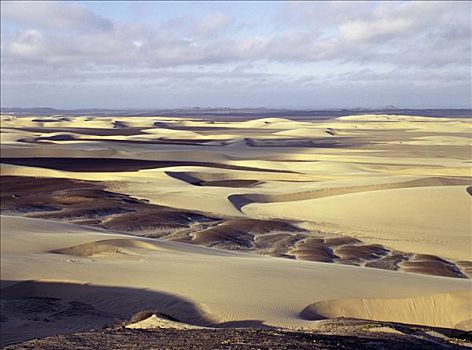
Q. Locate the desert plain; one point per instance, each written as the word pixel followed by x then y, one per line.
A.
pixel 260 223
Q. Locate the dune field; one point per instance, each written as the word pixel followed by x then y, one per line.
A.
pixel 258 223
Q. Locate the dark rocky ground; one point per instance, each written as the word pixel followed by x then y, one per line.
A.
pixel 333 334
pixel 89 203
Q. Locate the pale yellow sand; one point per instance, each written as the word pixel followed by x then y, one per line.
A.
pixel 429 220
pixel 455 307
pixel 155 321
pixel 395 180
pixel 406 149
pixel 224 285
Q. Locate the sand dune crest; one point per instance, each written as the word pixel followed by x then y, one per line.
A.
pixel 451 310
pixel 107 246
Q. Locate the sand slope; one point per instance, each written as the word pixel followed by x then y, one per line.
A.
pixel 454 306
pixel 211 279
pixel 440 225
pixel 375 190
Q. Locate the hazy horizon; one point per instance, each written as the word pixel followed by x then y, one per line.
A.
pixel 294 108
pixel 294 55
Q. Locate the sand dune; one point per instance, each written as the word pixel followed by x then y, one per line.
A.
pixel 455 307
pixel 187 271
pixel 88 203
pixel 384 217
pixel 391 118
pixel 241 200
pixel 106 247
pixel 342 200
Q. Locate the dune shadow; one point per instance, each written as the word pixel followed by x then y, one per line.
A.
pixel 36 309
pixel 241 200
pixel 185 177
pixel 118 164
pixel 232 183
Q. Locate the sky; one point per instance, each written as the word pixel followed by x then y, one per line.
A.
pixel 94 54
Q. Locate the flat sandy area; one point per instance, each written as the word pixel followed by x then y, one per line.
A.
pixel 258 223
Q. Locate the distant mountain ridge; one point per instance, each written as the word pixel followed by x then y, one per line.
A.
pixel 237 112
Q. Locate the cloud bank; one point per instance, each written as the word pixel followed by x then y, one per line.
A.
pixel 297 54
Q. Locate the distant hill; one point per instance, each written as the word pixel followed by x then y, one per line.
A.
pixel 238 113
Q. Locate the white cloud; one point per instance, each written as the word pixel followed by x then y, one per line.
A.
pixel 364 36
pixel 66 44
pixel 52 14
pixel 365 31
pixel 27 44
pixel 214 23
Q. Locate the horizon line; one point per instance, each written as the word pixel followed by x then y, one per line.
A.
pixel 239 108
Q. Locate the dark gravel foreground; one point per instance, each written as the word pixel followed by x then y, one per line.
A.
pixel 241 339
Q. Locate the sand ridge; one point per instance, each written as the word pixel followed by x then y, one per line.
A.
pixel 187 270
pixel 88 203
pixel 164 207
pixel 454 305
